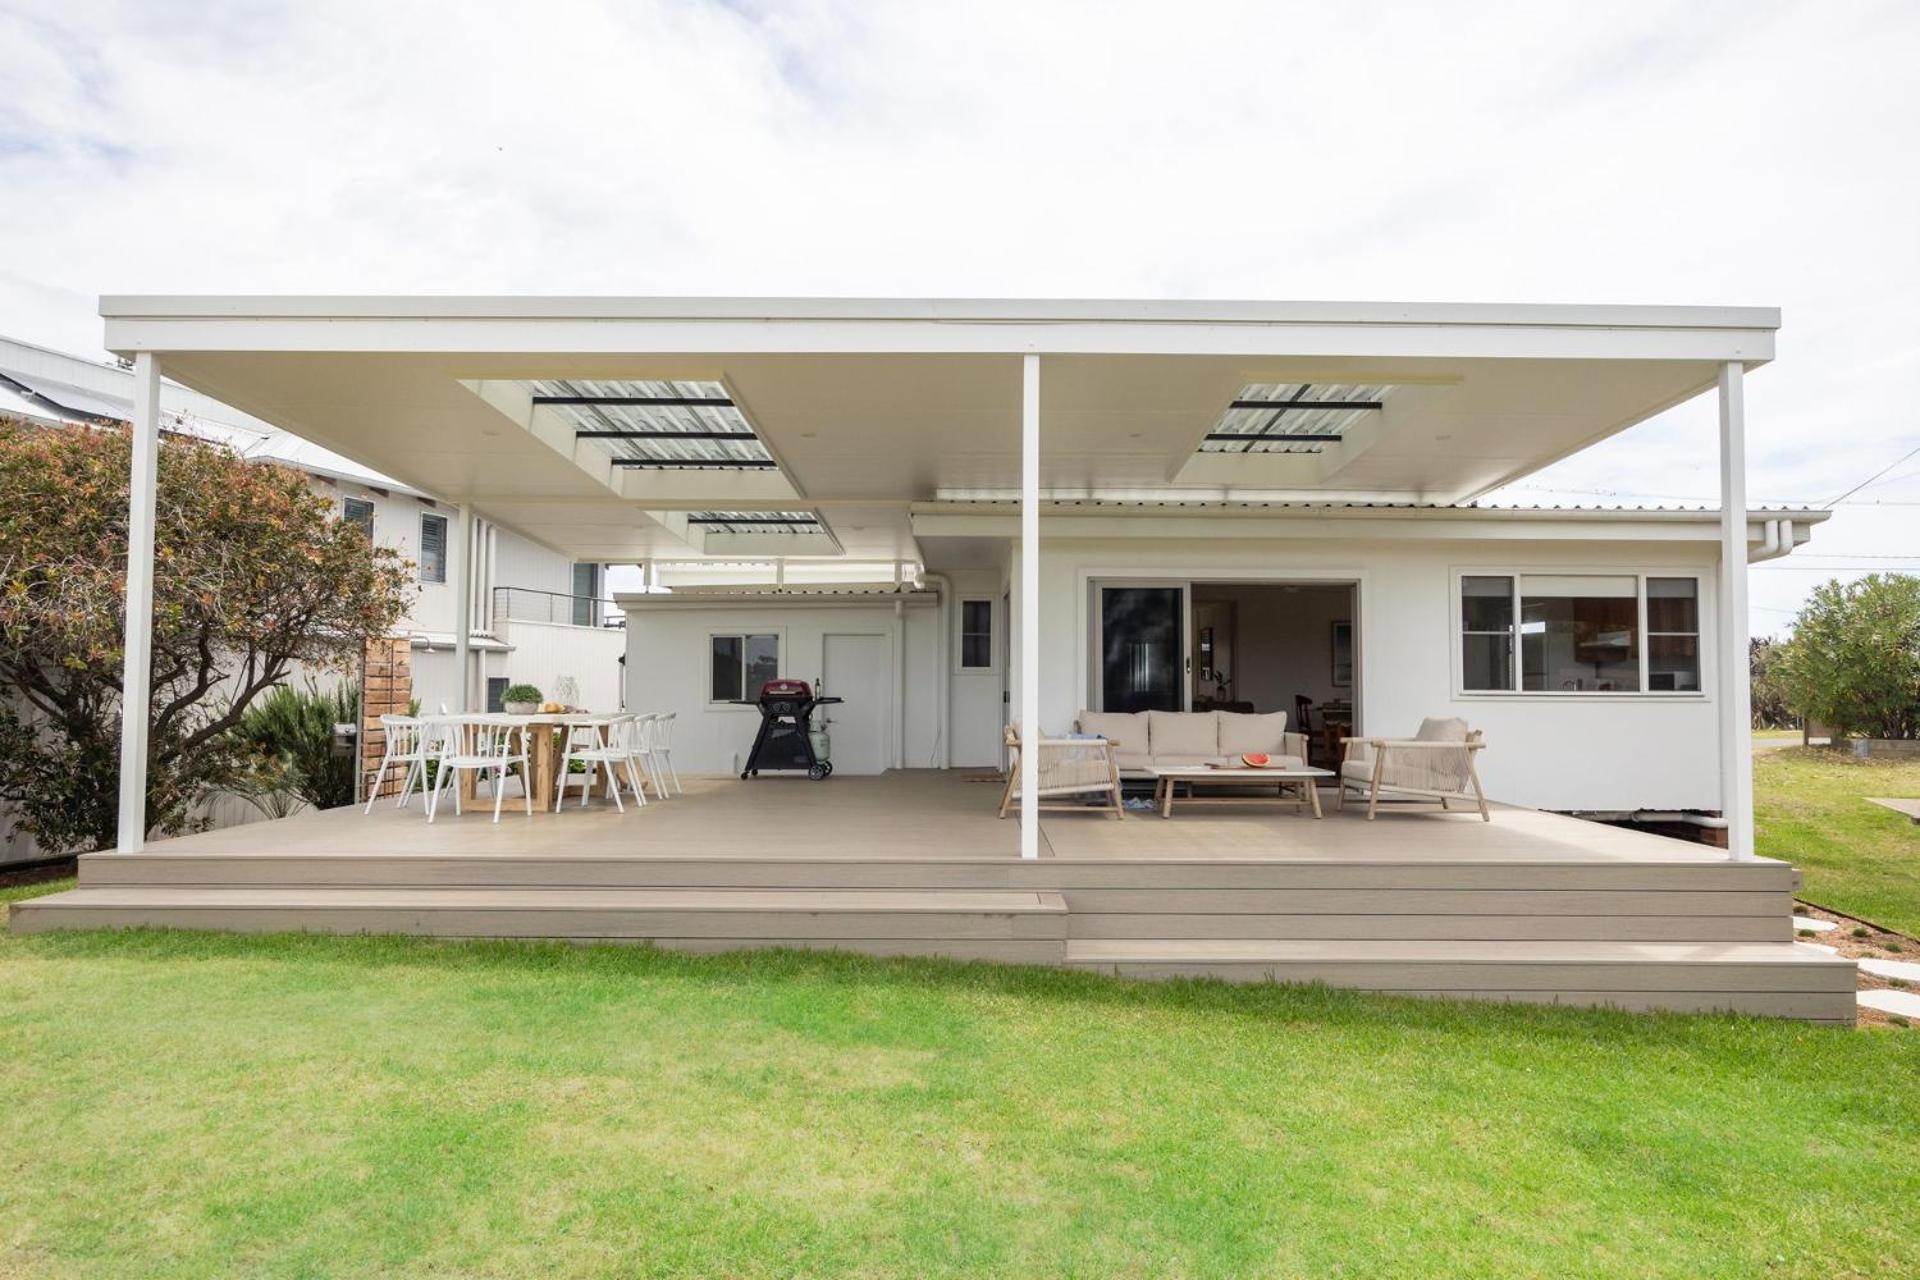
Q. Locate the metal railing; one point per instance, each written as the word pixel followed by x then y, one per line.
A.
pixel 555 608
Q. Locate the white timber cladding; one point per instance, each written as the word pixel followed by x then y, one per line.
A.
pixel 1607 752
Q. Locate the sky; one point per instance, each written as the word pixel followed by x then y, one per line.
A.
pixel 1743 153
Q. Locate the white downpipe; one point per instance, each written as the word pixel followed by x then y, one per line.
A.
pixel 1780 538
pixel 942 668
pixel 1029 604
pixel 1736 698
pixel 136 668
pixel 899 683
pixel 463 610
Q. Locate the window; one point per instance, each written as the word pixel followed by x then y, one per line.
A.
pixel 358 511
pixel 586 594
pixel 739 665
pixel 1579 633
pixel 433 547
pixel 976 634
pixel 496 694
pixel 1673 635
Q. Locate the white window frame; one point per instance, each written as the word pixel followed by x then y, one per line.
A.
pixel 779 635
pixel 994 625
pixel 1457 632
pixel 446 549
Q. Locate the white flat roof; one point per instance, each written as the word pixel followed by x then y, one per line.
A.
pixel 868 405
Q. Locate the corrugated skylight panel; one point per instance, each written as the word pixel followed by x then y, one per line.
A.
pixel 1294 424
pixel 692 423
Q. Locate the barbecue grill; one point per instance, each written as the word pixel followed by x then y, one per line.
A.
pixel 785 740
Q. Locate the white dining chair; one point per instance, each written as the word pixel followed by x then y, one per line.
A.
pixel 663 750
pixel 641 749
pixel 598 744
pixel 480 745
pixel 409 741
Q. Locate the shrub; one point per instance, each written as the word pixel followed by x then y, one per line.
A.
pixel 290 732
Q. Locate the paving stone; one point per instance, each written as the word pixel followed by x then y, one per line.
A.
pixel 1904 969
pixel 1816 946
pixel 1910 808
pixel 1818 926
pixel 1904 1003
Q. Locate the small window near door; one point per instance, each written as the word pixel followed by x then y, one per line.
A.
pixel 496 694
pixel 359 513
pixel 433 547
pixel 976 635
pixel 739 665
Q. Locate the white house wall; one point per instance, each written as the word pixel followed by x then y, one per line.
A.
pixel 1556 751
pixel 667 655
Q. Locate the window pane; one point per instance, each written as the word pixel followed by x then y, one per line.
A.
pixel 433 548
pixel 976 633
pixel 1673 604
pixel 496 693
pixel 1486 662
pixel 726 669
pixel 1673 663
pixel 358 512
pixel 763 663
pixel 1579 633
pixel 1486 604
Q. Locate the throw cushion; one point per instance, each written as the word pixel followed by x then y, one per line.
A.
pixel 1437 730
pixel 1241 734
pixel 1127 732
pixel 1187 734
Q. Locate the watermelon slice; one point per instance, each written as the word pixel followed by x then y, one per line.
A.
pixel 1256 760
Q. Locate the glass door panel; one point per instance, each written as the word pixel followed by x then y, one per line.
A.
pixel 1143 648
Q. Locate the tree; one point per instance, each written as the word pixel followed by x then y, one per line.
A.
pixel 252 576
pixel 1771 709
pixel 1853 663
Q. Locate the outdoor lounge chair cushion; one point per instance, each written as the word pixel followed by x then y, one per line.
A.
pixel 1183 737
pixel 1241 734
pixel 1127 733
pixel 1433 729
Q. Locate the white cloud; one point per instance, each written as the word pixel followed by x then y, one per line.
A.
pixel 1736 152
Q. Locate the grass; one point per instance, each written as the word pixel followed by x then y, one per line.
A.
pixel 1810 808
pixel 21 892
pixel 194 1105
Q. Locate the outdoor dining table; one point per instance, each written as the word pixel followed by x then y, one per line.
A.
pixel 542 731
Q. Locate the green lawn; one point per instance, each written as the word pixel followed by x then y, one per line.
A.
pixel 1859 858
pixel 195 1105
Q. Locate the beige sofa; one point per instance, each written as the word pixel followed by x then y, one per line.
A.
pixel 1148 739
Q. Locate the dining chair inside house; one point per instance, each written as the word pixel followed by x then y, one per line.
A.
pixel 1303 722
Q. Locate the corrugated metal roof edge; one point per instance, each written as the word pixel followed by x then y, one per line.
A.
pixel 984 505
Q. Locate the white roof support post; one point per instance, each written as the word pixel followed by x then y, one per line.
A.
pixel 1029 606
pixel 136 671
pixel 463 609
pixel 1736 695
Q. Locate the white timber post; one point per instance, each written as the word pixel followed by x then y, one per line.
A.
pixel 136 669
pixel 463 609
pixel 1029 606
pixel 1736 694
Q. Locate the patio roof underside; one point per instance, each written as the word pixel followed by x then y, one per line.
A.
pixel 854 437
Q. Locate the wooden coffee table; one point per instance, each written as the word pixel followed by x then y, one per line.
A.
pixel 1302 782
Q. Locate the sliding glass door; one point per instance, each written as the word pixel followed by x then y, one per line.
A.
pixel 1142 648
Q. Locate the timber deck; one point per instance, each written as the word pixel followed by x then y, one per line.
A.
pixel 1532 906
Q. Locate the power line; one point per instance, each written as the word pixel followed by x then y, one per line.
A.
pixel 1876 475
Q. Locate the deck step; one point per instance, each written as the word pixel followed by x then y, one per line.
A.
pixel 1002 925
pixel 1776 978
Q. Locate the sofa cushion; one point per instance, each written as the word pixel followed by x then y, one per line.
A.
pixel 1126 731
pixel 1241 733
pixel 1191 735
pixel 1439 730
pixel 1132 761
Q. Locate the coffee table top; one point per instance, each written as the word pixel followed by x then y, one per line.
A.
pixel 1237 773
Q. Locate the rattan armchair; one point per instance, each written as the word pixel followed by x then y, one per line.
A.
pixel 1079 768
pixel 1434 764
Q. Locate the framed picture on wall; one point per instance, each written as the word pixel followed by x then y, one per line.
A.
pixel 1343 655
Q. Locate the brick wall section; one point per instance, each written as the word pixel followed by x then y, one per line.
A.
pixel 386 689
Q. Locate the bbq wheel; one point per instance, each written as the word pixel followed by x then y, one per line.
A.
pixel 819 771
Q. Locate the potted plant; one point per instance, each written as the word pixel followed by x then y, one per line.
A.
pixel 520 700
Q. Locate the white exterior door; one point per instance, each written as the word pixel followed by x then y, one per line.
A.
pixel 858 668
